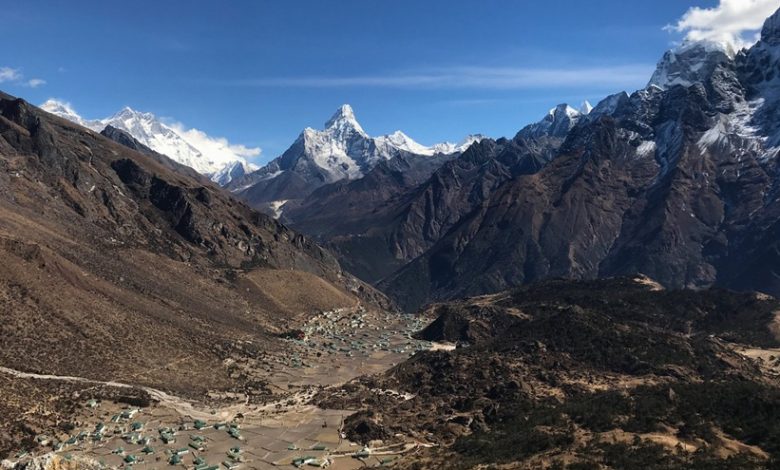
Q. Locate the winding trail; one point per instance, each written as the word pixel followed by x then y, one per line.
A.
pixel 180 405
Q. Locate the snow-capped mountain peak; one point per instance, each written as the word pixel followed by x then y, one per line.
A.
pixel 557 123
pixel 344 113
pixel 689 63
pixel 449 147
pixel 400 141
pixel 344 120
pixel 208 155
pixel 232 171
pixel 66 111
pixel 586 107
pixel 342 150
pixel 558 111
pixel 129 113
pixel 156 135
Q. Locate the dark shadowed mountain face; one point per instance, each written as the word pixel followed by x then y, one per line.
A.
pixel 352 216
pixel 614 373
pixel 379 223
pixel 679 183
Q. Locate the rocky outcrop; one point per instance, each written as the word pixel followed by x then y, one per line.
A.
pixel 567 365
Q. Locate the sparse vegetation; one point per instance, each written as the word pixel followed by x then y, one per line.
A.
pixel 609 373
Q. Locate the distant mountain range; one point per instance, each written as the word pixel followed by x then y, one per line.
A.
pixel 342 151
pixel 207 155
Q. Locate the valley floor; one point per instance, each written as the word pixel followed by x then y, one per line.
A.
pixel 234 430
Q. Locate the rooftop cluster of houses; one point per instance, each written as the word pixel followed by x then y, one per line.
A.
pixel 353 333
pixel 120 425
pixel 170 441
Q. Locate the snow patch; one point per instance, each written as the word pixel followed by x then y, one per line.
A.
pixel 277 207
pixel 646 148
pixel 734 132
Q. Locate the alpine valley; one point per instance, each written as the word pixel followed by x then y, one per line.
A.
pixel 596 292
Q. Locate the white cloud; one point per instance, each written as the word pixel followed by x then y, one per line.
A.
pixel 8 74
pixel 216 147
pixel 57 104
pixel 735 22
pixel 606 77
pixel 15 76
pixel 35 82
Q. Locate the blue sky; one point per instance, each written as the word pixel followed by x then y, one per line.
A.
pixel 257 72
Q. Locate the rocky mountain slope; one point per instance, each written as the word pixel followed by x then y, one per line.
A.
pixel 124 138
pixel 615 373
pixel 677 181
pixel 341 151
pixel 398 211
pixel 117 265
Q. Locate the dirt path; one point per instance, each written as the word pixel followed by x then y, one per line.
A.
pixel 180 405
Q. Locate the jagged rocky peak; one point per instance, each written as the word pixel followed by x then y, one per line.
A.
pixel 610 104
pixel 770 33
pixel 760 65
pixel 691 62
pixel 66 111
pixel 232 171
pixel 759 74
pixel 586 107
pixel 344 119
pixel 557 123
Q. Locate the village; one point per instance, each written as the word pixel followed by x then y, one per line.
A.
pixel 328 349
